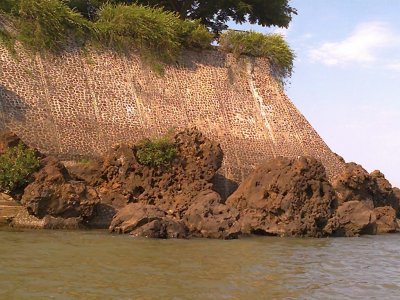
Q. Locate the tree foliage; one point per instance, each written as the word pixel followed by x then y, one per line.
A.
pixel 212 13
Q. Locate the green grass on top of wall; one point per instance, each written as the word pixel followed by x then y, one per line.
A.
pixel 272 46
pixel 159 36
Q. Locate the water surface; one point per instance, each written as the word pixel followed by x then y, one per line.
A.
pixel 96 265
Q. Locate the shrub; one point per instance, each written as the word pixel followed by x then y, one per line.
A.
pixel 195 35
pixel 49 25
pixel 271 46
pixel 158 35
pixel 16 165
pixel 44 25
pixel 156 152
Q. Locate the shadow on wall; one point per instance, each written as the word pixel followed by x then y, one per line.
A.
pixel 224 186
pixel 212 58
pixel 13 109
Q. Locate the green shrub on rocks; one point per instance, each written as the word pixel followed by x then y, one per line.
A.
pixel 156 152
pixel 16 165
pixel 272 46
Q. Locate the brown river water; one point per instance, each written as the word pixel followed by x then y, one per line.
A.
pixel 96 265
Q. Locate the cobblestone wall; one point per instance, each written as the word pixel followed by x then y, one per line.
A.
pixel 83 104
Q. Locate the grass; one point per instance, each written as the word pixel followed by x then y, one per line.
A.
pixel 158 35
pixel 272 46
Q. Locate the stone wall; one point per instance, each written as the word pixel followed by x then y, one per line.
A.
pixel 82 104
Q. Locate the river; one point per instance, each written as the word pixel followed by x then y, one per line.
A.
pixel 96 265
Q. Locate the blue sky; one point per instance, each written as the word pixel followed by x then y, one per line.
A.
pixel 347 77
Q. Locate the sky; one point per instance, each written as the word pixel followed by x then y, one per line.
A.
pixel 346 79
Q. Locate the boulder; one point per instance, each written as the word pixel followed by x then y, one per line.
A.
pixel 165 228
pixel 208 217
pixel 353 218
pixel 24 220
pixel 285 197
pixel 146 220
pixel 55 193
pixel 386 220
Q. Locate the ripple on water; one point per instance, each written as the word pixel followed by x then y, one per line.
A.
pixel 95 265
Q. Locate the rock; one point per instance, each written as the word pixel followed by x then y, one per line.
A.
pixel 133 216
pixel 165 228
pixel 395 203
pixel 386 219
pixel 55 193
pixel 124 180
pixel 9 208
pixel 208 217
pixel 24 220
pixel 353 218
pixel 355 184
pixel 145 220
pixel 285 197
pixel 85 170
pixel 8 140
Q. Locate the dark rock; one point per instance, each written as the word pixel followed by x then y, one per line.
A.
pixel 353 218
pixel 85 170
pixel 285 197
pixel 165 228
pixel 386 220
pixel 209 217
pixel 54 193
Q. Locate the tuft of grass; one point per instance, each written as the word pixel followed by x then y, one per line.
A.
pixel 50 25
pixel 156 152
pixel 16 166
pixel 272 46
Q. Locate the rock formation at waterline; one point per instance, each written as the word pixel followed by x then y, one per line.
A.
pixel 282 197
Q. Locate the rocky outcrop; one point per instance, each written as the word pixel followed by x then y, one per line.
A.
pixel 386 221
pixel 208 217
pixel 355 184
pixel 171 188
pixel 56 195
pixel 368 203
pixel 285 197
pixel 352 218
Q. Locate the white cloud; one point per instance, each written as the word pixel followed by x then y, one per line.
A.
pixel 361 46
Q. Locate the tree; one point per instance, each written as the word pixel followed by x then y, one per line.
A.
pixel 212 13
pixel 215 13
